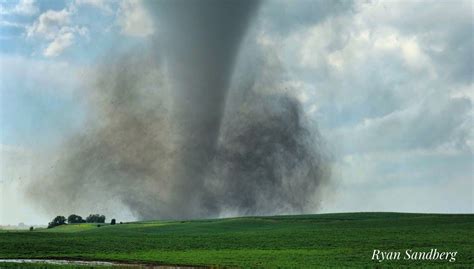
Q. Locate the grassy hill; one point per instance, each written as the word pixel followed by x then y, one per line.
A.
pixel 302 241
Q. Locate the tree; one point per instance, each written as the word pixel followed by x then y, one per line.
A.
pixel 75 219
pixel 58 220
pixel 95 218
pixel 112 222
pixel 31 228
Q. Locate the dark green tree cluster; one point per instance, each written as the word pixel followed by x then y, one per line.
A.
pixel 95 218
pixel 59 220
pixel 73 219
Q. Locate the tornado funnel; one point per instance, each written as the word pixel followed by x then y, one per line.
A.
pixel 201 40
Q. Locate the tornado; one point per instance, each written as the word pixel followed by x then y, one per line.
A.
pixel 201 40
pixel 173 133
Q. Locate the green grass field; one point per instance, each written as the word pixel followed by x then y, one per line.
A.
pixel 303 241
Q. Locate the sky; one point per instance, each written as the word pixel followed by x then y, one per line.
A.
pixel 389 85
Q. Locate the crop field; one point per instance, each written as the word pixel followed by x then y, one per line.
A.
pixel 301 241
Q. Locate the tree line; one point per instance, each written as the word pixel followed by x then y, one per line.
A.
pixel 74 219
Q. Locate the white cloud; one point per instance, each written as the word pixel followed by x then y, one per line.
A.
pixel 320 44
pixel 24 7
pixel 464 91
pixel 5 23
pixel 49 24
pixel 134 19
pixel 56 27
pixel 59 30
pixel 408 47
pixel 424 126
pixel 59 44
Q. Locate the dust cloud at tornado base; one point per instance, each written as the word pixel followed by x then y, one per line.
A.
pixel 172 132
